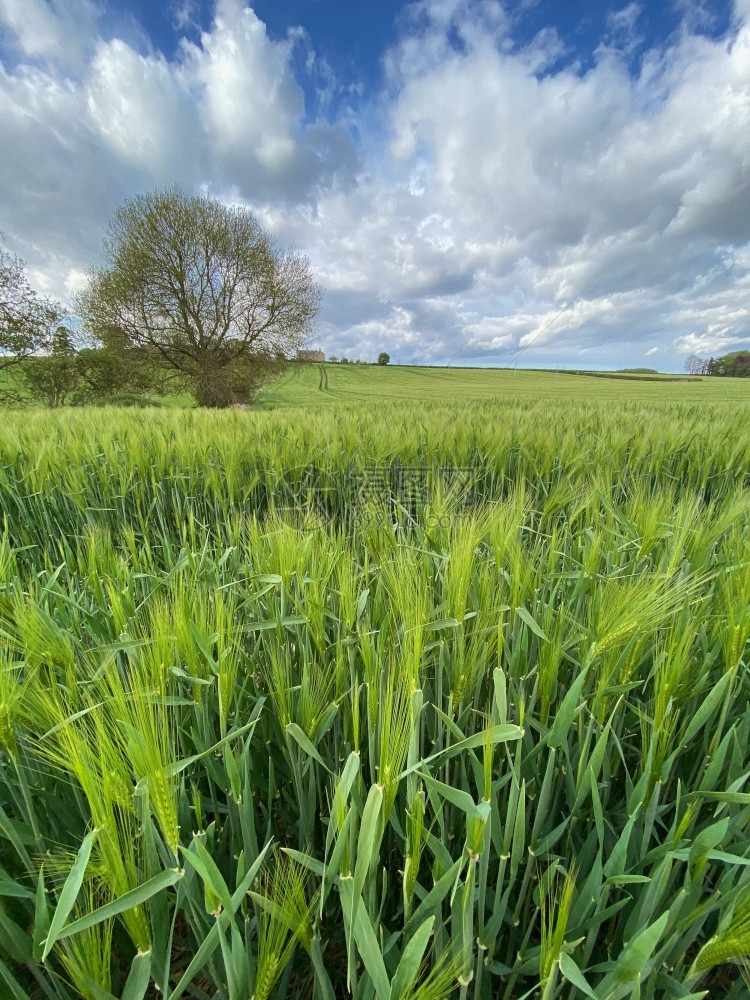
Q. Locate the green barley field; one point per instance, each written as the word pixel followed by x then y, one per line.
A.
pixel 395 689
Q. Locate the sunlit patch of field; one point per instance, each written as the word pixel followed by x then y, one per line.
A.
pixel 373 383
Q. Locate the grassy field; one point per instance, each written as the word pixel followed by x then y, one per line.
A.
pixel 435 693
pixel 373 383
pixel 364 384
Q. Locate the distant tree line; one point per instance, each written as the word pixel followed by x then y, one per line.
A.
pixel 383 359
pixel 736 364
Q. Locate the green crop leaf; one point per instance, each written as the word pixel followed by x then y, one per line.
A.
pixel 129 900
pixel 707 708
pixel 635 957
pixel 366 846
pixel 367 941
pixel 411 960
pixel 138 977
pixel 299 737
pixel 456 796
pixel 574 975
pixel 69 893
pixel 211 940
pixel 566 712
pixel 526 618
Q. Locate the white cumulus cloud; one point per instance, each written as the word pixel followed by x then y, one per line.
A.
pixel 489 201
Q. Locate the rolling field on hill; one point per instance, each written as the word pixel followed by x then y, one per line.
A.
pixel 370 383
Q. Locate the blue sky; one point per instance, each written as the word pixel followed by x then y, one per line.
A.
pixel 352 35
pixel 566 183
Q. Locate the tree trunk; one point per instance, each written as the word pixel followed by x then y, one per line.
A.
pixel 213 386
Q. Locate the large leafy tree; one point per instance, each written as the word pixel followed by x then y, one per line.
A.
pixel 28 320
pixel 51 378
pixel 204 288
